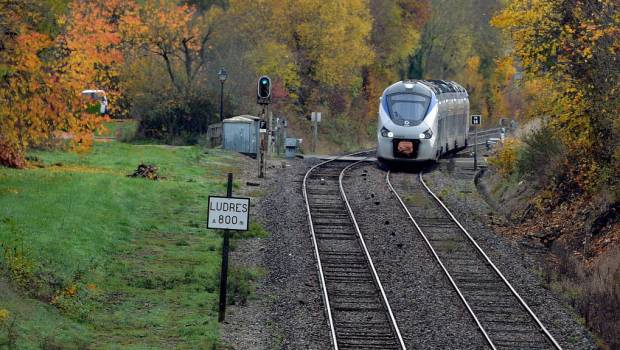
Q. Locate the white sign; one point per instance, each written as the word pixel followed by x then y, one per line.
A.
pixel 315 117
pixel 476 119
pixel 229 213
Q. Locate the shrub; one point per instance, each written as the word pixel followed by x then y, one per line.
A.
pixel 505 159
pixel 593 289
pixel 174 120
pixel 8 331
pixel 541 156
pixel 241 285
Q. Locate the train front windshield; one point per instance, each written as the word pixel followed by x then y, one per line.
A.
pixel 407 109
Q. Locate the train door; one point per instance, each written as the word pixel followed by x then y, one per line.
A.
pixel 440 124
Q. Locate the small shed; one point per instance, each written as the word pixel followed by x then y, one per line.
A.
pixel 241 134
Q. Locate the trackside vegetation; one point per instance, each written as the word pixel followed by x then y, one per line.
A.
pixel 91 258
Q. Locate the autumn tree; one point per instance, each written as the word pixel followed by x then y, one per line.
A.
pixel 574 46
pixel 457 43
pixel 474 82
pixel 40 103
pixel 168 69
pixel 323 44
pixel 95 46
pixel 395 37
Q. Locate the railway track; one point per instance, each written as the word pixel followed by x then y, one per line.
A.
pixel 357 309
pixel 500 313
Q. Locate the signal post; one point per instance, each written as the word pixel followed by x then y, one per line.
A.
pixel 263 98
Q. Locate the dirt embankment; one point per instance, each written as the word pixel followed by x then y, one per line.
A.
pixel 578 244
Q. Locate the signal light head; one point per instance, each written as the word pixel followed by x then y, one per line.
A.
pixel 264 90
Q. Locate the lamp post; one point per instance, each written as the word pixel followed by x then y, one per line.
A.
pixel 222 75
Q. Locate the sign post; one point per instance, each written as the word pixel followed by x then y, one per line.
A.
pixel 315 117
pixel 228 213
pixel 475 121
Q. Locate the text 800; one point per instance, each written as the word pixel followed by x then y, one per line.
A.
pixel 227 219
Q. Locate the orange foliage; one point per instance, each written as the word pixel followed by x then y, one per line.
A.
pixel 94 41
pixel 40 89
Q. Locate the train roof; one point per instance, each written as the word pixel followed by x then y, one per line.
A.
pixel 438 87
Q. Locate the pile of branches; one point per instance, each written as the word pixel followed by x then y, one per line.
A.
pixel 147 171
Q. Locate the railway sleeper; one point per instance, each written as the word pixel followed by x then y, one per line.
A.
pixel 365 346
pixel 493 286
pixel 348 279
pixel 472 267
pixel 352 261
pixel 336 237
pixel 332 215
pixel 521 338
pixel 328 221
pixel 355 308
pixel 512 328
pixel 378 334
pixel 520 345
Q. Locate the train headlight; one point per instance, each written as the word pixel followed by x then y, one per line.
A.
pixel 386 133
pixel 427 134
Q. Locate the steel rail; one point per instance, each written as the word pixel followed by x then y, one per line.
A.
pixel 369 259
pixel 488 131
pixel 436 256
pixel 497 271
pixel 330 318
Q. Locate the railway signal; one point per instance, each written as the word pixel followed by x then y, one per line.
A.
pixel 263 93
pixel 263 98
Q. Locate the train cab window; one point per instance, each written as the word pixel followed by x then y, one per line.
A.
pixel 407 109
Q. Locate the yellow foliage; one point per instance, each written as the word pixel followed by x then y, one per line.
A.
pixel 276 60
pixel 505 159
pixel 19 265
pixel 4 315
pixel 335 35
pixel 327 39
pixel 473 81
pixel 40 93
pixel 569 58
pixel 501 86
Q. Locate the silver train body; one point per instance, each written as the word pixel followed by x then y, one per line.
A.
pixel 421 120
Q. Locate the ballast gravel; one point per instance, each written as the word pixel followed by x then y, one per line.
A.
pixel 287 311
pixel 515 260
pixel 427 309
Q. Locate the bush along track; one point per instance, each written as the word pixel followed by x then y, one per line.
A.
pixel 574 223
pixel 93 259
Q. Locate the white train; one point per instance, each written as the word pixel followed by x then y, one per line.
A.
pixel 421 120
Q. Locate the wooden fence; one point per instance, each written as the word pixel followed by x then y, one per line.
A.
pixel 214 135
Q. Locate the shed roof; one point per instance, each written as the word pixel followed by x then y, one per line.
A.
pixel 246 118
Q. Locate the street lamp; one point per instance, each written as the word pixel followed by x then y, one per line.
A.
pixel 223 75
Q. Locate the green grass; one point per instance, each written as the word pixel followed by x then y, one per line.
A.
pixel 119 128
pixel 105 261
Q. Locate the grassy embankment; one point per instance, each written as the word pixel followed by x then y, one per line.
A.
pixel 93 259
